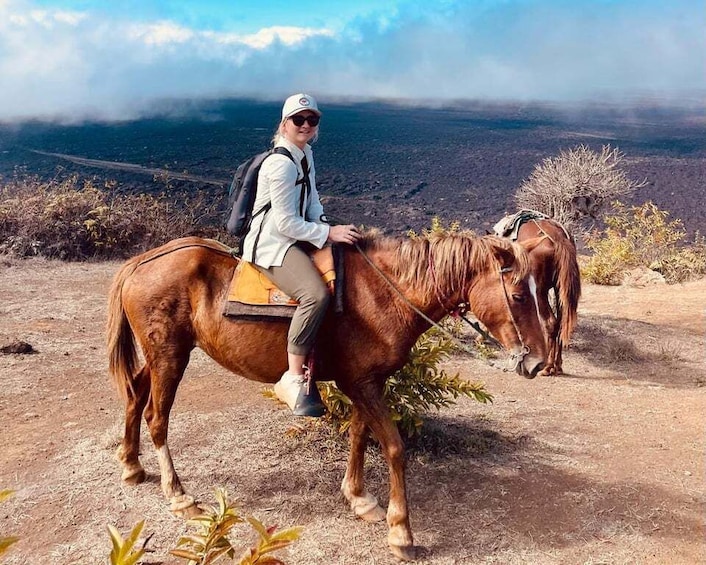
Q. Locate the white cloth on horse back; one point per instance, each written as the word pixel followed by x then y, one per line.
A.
pixel 282 226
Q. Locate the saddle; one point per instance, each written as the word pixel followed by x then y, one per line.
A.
pixel 252 295
pixel 509 225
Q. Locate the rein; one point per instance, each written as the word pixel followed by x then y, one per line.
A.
pixel 461 345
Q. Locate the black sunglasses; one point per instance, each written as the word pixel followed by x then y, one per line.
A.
pixel 298 120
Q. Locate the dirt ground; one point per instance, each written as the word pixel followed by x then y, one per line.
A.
pixel 604 465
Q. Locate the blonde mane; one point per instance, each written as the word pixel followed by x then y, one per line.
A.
pixel 456 257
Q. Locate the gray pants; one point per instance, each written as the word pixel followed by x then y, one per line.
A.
pixel 299 278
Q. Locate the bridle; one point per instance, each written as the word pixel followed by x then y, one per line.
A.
pixel 460 310
pixel 524 348
pixel 516 358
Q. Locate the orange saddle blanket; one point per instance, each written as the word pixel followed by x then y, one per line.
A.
pixel 252 294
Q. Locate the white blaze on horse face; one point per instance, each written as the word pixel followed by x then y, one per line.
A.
pixel 533 291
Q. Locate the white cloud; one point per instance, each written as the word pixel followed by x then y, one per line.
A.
pixel 58 63
pixel 287 35
pixel 161 33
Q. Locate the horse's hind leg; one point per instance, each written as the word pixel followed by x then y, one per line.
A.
pixel 364 504
pixel 165 380
pixel 129 450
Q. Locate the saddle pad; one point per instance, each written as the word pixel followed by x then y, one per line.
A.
pixel 509 225
pixel 252 294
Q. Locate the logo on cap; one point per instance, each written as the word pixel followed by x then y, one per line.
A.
pixel 304 101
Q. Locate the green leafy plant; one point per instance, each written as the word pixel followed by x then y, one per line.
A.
pixel 642 236
pixel 269 541
pixel 413 391
pixel 210 543
pixel 6 542
pixel 123 552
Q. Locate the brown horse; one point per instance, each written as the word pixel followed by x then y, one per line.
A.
pixel 554 267
pixel 170 300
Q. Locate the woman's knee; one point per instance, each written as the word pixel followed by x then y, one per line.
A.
pixel 318 296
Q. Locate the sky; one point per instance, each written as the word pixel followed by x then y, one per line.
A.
pixel 71 60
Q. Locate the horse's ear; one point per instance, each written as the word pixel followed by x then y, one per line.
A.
pixel 530 244
pixel 504 255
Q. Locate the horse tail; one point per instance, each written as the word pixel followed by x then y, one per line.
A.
pixel 567 287
pixel 122 352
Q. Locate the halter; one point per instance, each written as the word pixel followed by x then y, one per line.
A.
pixel 524 350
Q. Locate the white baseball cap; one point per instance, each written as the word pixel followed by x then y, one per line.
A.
pixel 297 103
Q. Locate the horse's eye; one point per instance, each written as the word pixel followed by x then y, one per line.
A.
pixel 518 298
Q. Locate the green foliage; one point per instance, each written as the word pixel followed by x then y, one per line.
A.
pixel 210 543
pixel 73 221
pixel 269 541
pixel 437 228
pixel 414 390
pixel 642 236
pixel 6 542
pixel 123 553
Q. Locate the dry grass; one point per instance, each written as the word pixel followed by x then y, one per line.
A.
pixel 601 465
pixel 76 221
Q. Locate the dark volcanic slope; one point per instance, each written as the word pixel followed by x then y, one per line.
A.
pixel 389 166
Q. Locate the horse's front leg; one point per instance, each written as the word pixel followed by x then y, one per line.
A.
pixel 363 504
pixel 377 417
pixel 550 326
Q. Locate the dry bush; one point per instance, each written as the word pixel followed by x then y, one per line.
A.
pixel 576 184
pixel 73 221
pixel 642 236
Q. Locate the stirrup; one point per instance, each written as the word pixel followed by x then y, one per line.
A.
pixel 309 401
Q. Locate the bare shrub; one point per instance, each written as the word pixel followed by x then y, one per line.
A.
pixel 73 221
pixel 576 185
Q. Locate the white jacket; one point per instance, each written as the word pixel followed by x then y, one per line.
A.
pixel 271 234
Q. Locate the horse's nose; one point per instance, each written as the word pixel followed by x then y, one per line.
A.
pixel 528 368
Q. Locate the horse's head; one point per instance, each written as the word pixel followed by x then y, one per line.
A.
pixel 503 297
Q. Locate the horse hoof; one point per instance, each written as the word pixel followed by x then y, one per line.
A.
pixel 404 552
pixel 376 514
pixel 134 476
pixel 183 505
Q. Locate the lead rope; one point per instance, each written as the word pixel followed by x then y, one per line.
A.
pixel 462 346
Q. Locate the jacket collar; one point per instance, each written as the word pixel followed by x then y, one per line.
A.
pixel 297 153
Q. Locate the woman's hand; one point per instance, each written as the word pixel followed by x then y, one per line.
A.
pixel 343 234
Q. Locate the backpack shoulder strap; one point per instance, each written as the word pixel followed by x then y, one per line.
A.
pixel 283 151
pixel 304 181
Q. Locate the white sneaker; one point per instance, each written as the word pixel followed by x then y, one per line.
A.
pixel 288 387
pixel 302 400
